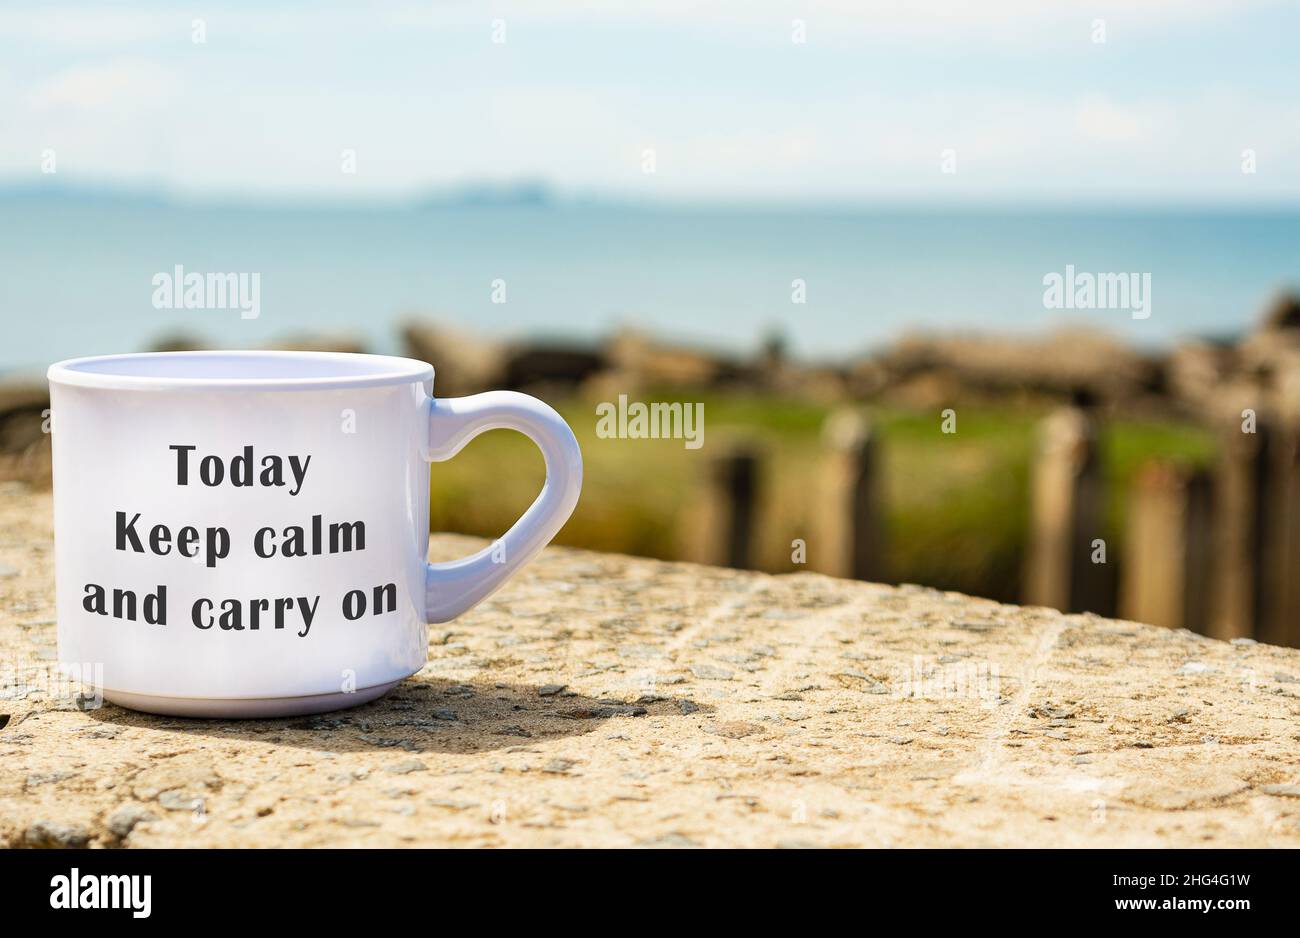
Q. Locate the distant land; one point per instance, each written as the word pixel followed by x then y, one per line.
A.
pixel 540 192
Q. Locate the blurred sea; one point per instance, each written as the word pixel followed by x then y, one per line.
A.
pixel 77 270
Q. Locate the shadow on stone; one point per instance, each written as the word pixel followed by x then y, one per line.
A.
pixel 424 714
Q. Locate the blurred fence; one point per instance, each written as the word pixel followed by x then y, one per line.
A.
pixel 1214 551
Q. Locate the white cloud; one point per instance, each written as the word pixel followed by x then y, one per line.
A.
pixel 94 26
pixel 1098 118
pixel 425 105
pixel 88 27
pixel 121 84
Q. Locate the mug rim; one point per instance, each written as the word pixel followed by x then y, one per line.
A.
pixel 336 370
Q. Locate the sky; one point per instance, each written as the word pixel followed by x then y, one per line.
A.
pixel 932 100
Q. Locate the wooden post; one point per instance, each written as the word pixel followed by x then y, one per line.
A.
pixel 1167 552
pixel 850 540
pixel 726 515
pixel 1066 514
pixel 1239 528
pixel 1279 622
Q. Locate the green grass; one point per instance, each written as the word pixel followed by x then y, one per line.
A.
pixel 956 505
pixel 1127 444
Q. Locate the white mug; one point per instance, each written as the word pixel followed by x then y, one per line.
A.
pixel 244 534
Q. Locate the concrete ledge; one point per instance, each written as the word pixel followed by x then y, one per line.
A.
pixel 602 700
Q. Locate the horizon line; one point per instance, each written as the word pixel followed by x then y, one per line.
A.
pixel 539 193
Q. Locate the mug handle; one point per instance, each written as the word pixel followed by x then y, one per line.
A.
pixel 453 587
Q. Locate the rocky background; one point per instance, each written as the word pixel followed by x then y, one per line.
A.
pixel 918 370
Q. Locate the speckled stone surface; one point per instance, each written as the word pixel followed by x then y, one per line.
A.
pixel 602 700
